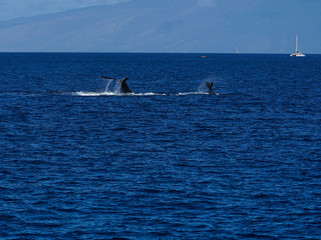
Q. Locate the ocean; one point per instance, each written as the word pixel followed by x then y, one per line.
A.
pixel 80 160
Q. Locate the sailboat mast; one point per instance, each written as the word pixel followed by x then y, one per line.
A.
pixel 297 53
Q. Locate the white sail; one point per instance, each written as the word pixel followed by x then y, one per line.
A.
pixel 297 52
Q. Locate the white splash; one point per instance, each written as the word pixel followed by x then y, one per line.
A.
pixel 191 93
pixel 113 86
pixel 94 94
pixel 99 94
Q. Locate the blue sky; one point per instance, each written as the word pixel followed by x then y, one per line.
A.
pixel 220 26
pixel 11 9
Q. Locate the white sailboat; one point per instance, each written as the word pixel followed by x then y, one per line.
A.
pixel 297 52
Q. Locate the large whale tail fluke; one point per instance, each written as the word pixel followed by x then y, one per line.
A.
pixel 124 86
pixel 210 85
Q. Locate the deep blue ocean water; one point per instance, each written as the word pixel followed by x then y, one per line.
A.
pixel 168 162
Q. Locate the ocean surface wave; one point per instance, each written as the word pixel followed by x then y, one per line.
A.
pixel 168 162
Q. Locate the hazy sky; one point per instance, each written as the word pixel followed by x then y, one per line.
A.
pixel 10 9
pixel 252 26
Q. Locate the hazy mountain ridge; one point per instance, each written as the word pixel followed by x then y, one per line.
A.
pixel 166 26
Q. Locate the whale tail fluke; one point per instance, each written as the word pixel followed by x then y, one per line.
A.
pixel 210 85
pixel 124 87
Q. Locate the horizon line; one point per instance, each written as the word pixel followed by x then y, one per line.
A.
pixel 103 52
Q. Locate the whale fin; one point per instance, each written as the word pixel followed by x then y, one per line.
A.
pixel 124 86
pixel 210 85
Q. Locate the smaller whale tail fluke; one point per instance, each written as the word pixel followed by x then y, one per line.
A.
pixel 210 85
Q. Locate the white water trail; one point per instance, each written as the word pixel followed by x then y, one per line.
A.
pixel 107 86
pixel 112 87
